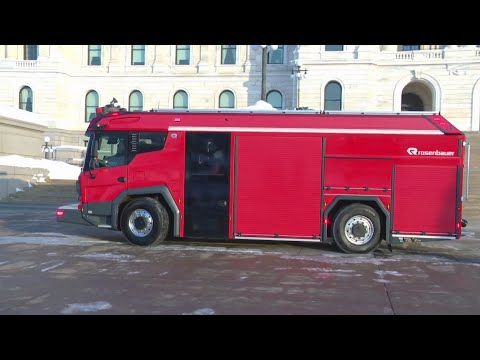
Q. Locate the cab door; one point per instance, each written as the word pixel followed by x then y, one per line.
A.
pixel 107 175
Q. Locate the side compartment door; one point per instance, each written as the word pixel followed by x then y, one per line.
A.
pixel 425 200
pixel 277 186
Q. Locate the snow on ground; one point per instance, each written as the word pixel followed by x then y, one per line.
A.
pixel 57 170
pixel 88 307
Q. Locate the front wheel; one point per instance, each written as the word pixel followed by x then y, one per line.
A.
pixel 145 222
pixel 356 229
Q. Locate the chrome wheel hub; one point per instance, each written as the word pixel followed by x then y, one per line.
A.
pixel 140 223
pixel 359 230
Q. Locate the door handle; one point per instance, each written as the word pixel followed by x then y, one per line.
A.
pixel 122 179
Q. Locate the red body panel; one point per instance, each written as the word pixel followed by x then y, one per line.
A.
pixel 102 184
pixel 278 187
pixel 358 173
pixel 388 146
pixel 163 167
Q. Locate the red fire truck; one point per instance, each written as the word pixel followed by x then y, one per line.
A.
pixel 343 178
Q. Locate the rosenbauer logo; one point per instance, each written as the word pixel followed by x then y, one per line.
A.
pixel 416 152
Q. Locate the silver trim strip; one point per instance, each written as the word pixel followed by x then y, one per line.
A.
pixel 277 239
pixel 353 188
pixel 468 172
pixel 422 236
pixel 296 112
pixel 104 226
pixel 304 130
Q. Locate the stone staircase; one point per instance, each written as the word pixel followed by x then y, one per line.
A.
pixel 51 192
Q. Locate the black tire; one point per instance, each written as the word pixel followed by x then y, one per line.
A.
pixel 357 229
pixel 145 222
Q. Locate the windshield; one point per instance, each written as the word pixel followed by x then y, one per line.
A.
pixel 106 150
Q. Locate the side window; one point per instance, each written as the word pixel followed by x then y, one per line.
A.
pixel 276 56
pixel 229 53
pixel 333 47
pixel 30 52
pixel 182 55
pixel 94 54
pixel 151 141
pixel 112 150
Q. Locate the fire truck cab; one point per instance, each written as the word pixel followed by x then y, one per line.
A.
pixel 352 179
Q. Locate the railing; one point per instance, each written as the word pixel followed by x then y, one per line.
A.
pixel 26 64
pixel 419 55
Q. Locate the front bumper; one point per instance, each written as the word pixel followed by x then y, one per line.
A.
pixel 72 214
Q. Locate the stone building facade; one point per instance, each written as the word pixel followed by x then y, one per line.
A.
pixel 64 83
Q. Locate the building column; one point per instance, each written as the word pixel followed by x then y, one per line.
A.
pixel 162 62
pixel 206 64
pixel 11 51
pixel 113 58
pixel 390 47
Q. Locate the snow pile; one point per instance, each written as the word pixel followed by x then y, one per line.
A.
pixel 23 115
pixel 57 170
pixel 261 105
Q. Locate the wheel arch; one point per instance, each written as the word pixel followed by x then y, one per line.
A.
pixel 160 192
pixel 344 200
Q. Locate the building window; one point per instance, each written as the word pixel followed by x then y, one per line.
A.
pixel 180 100
pixel 276 56
pixel 183 55
pixel 227 100
pixel 135 101
pixel 94 54
pixel 26 99
pixel 409 47
pixel 333 47
pixel 333 96
pixel 229 54
pixel 138 54
pixel 91 104
pixel 274 98
pixel 30 52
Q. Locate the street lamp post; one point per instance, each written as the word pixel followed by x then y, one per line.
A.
pixel 265 50
pixel 298 74
pixel 46 147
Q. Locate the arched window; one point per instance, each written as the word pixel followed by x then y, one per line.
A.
pixel 333 96
pixel 275 99
pixel 227 99
pixel 135 101
pixel 180 100
pixel 91 104
pixel 26 99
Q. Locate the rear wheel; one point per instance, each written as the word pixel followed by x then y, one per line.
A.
pixel 145 222
pixel 356 229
